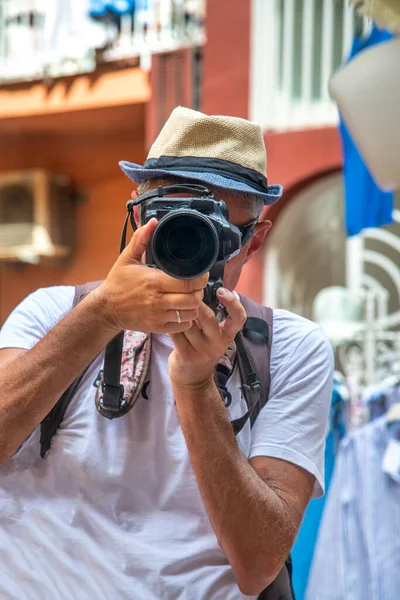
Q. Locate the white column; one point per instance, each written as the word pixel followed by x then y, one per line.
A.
pixel 348 28
pixel 271 278
pixel 370 343
pixel 165 12
pixel 354 263
pixel 327 48
pixel 263 62
pixel 307 51
pixel 287 80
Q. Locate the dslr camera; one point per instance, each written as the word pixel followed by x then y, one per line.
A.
pixel 193 235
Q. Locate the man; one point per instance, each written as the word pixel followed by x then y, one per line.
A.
pixel 164 502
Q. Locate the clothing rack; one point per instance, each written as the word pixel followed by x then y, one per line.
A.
pixel 370 358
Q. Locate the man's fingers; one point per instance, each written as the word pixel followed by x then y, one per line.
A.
pixel 196 338
pixel 185 316
pixel 182 301
pixel 207 321
pixel 169 284
pixel 139 242
pixel 181 343
pixel 236 314
pixel 176 327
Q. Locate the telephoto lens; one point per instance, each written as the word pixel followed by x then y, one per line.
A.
pixel 185 244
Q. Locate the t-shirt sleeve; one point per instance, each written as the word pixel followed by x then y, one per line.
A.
pixel 292 426
pixel 35 316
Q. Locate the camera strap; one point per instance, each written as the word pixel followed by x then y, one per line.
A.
pixel 125 384
pixel 200 191
pixel 111 402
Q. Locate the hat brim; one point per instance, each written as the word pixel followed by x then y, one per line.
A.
pixel 137 174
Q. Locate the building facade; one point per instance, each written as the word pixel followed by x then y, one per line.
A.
pixel 78 93
pixel 76 108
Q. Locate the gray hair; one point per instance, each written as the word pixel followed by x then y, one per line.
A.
pixel 251 203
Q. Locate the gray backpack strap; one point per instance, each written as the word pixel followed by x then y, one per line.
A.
pixel 83 290
pixel 258 341
pixel 257 336
pixel 281 588
pixel 52 421
pixel 253 345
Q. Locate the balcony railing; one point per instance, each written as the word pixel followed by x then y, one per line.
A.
pixel 52 38
pixel 296 46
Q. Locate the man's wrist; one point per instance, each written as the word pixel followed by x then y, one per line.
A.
pixel 196 394
pixel 195 388
pixel 96 307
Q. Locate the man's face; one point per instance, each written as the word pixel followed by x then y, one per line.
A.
pixel 237 216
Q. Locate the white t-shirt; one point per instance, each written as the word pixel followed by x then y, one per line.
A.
pixel 114 511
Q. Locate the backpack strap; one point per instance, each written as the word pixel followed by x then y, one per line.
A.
pixel 52 421
pixel 253 345
pixel 257 334
pixel 253 355
pixel 282 587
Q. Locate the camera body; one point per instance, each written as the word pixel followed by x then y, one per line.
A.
pixel 193 237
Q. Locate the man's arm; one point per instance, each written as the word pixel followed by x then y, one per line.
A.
pixel 132 297
pixel 255 509
pixel 32 381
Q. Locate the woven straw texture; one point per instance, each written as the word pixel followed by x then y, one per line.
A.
pixel 191 133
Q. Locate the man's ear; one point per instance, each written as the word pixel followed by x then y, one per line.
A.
pixel 135 208
pixel 257 240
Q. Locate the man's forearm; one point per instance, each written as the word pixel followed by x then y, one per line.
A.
pixel 248 517
pixel 31 383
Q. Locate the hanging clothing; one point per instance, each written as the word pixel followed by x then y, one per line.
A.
pixel 357 556
pixel 366 204
pixel 303 550
pixel 69 33
pixel 380 402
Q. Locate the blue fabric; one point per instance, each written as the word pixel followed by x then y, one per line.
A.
pixel 357 556
pixel 303 550
pixel 138 173
pixel 366 204
pixel 380 402
pixel 102 8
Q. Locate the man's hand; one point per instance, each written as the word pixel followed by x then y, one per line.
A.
pixel 141 298
pixel 198 349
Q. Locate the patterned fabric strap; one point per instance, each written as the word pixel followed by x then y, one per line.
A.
pixel 134 366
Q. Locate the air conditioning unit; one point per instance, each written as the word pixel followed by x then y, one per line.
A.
pixel 36 217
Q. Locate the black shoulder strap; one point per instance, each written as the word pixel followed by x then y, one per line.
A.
pixel 50 424
pixel 253 345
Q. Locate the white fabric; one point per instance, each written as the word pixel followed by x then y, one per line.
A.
pixel 114 511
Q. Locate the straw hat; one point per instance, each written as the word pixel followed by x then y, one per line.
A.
pixel 225 152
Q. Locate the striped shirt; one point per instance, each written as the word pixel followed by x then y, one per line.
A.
pixel 357 556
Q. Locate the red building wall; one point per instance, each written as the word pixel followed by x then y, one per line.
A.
pixel 227 58
pixel 87 148
pixel 292 157
pixel 89 152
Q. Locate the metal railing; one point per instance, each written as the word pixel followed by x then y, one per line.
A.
pixel 52 38
pixel 296 46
